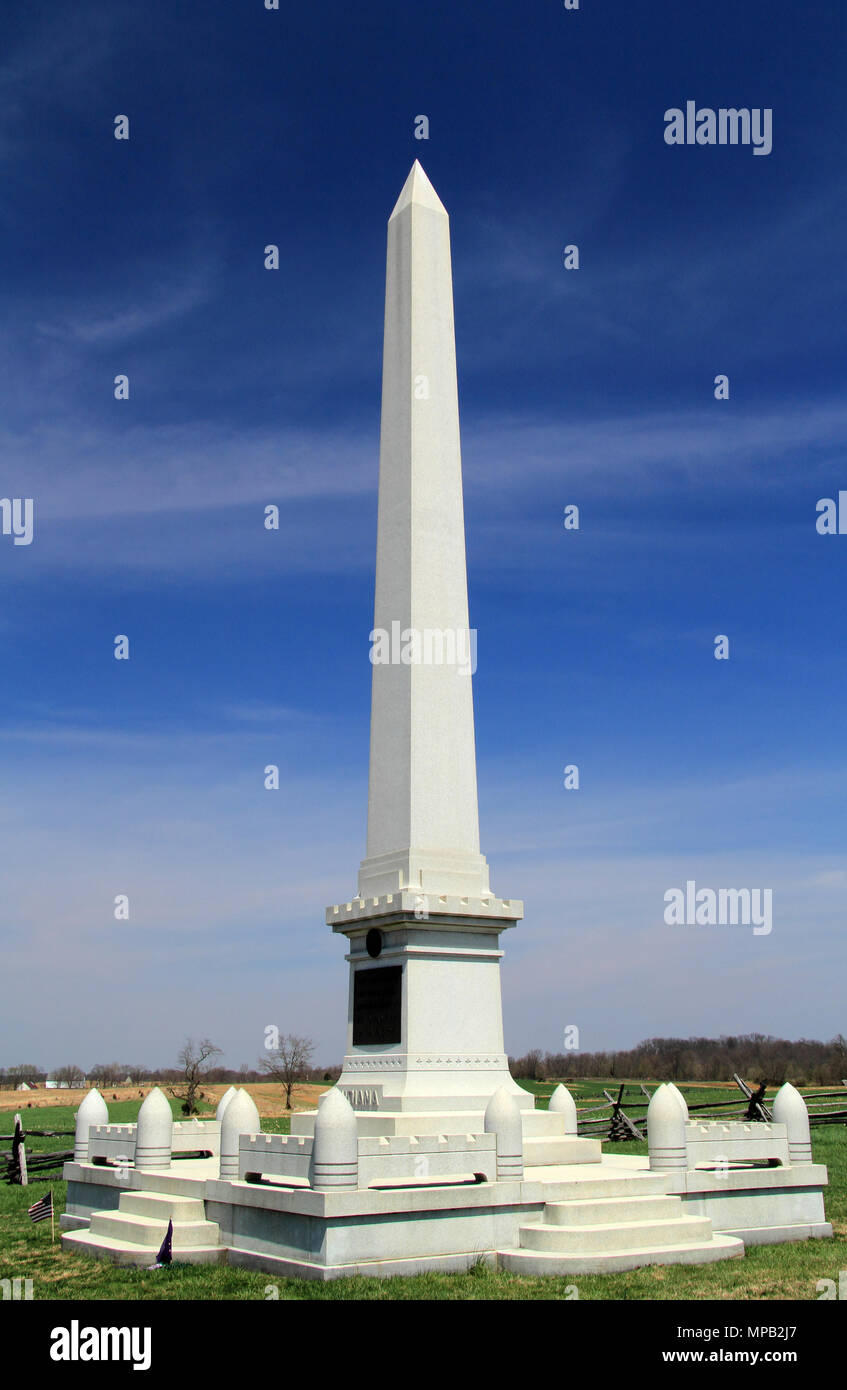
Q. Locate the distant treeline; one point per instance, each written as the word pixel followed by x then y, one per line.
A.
pixel 122 1074
pixel 755 1056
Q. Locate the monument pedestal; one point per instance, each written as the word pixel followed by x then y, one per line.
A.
pixel 424 1027
pixel 425 1048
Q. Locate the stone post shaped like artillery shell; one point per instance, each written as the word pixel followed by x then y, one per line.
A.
pixel 240 1117
pixel 92 1111
pixel 789 1109
pixel 562 1103
pixel 503 1118
pixel 335 1155
pixel 666 1131
pixel 154 1132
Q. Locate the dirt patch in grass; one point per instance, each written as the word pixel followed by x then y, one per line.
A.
pixel 269 1098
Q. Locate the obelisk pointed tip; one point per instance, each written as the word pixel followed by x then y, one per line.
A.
pixel 418 189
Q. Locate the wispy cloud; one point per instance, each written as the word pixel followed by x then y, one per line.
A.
pixel 651 451
pixel 634 286
pixel 181 492
pixel 225 879
pixel 118 319
pixel 254 712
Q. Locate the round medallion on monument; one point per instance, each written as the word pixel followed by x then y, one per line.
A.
pixel 373 942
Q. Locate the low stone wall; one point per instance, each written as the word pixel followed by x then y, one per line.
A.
pixel 275 1155
pixel 380 1161
pixel 678 1144
pixel 116 1143
pixel 735 1141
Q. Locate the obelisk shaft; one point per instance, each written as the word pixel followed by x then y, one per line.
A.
pixel 425 1018
pixel 423 829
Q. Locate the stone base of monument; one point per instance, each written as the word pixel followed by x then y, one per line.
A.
pixel 657 1218
pixel 515 1189
pixel 544 1138
pixel 594 1218
pixel 132 1234
pixel 567 1219
pixel 762 1206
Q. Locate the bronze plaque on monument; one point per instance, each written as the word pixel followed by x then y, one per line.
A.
pixel 376 1006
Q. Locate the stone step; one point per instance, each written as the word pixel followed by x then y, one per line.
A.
pixel 141 1230
pixel 629 1235
pixel 546 1151
pixel 122 1252
pixel 586 1186
pixel 169 1183
pixel 599 1211
pixel 536 1123
pixel 161 1206
pixel 537 1262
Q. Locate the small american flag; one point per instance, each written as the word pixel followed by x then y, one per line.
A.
pixel 165 1255
pixel 43 1210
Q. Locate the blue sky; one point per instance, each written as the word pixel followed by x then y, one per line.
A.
pixel 249 387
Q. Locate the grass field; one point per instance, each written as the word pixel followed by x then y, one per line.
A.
pixel 789 1271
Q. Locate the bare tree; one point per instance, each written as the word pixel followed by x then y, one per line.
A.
pixel 529 1067
pixel 107 1073
pixel 69 1076
pixel 194 1063
pixel 25 1072
pixel 288 1062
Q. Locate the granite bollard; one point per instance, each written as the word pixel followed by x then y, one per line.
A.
pixel 335 1155
pixel 789 1109
pixel 92 1111
pixel 562 1103
pixel 154 1132
pixel 239 1117
pixel 666 1131
pixel 503 1118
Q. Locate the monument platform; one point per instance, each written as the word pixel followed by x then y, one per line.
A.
pixel 338 1201
pixel 558 1219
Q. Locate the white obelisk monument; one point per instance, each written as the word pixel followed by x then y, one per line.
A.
pixel 425 1018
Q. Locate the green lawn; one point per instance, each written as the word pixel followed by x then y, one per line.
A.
pixel 766 1272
